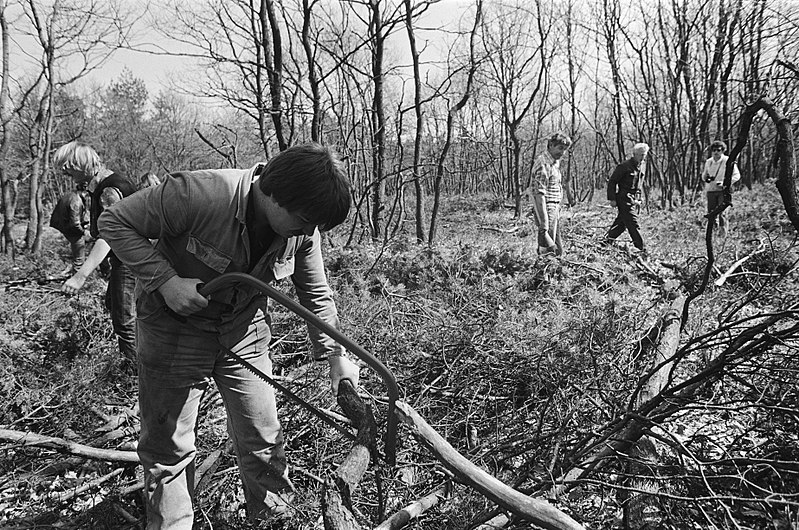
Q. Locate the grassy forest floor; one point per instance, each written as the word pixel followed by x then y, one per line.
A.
pixel 521 363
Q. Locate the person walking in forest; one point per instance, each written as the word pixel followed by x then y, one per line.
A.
pixel 82 163
pixel 624 194
pixel 264 221
pixel 70 217
pixel 713 176
pixel 547 193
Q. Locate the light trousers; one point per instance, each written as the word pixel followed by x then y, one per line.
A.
pixel 169 410
pixel 550 228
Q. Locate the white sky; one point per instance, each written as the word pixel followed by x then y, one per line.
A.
pixel 156 71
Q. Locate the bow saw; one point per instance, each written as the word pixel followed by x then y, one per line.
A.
pixel 231 278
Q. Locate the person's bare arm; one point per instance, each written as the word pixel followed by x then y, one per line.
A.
pixel 99 250
pixel 96 256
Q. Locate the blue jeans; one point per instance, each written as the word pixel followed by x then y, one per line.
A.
pixel 169 410
pixel 120 300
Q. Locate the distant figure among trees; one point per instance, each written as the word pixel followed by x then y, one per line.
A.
pixel 70 216
pixel 82 163
pixel 624 193
pixel 713 176
pixel 547 193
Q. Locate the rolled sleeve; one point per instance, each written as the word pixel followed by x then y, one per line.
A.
pixel 315 295
pixel 130 224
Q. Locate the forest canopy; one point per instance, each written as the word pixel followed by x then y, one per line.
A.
pixel 430 97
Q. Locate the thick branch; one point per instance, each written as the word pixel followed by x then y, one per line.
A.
pixel 535 510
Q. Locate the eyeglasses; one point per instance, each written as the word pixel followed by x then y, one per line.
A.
pixel 717 149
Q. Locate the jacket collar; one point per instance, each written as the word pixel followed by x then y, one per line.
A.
pixel 243 191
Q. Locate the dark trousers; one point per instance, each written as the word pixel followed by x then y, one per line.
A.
pixel 714 200
pixel 77 251
pixel 626 220
pixel 121 303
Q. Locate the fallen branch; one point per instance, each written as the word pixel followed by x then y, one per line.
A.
pixel 59 444
pixel 67 495
pixel 413 510
pixel 724 277
pixel 621 442
pixel 641 510
pixel 535 510
pixel 584 265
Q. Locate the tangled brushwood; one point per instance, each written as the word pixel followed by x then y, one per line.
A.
pixel 567 379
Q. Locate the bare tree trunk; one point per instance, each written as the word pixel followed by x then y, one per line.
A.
pixel 450 119
pixel 313 77
pixel 417 141
pixel 570 184
pixel 40 147
pixel 377 38
pixel 516 152
pixel 273 58
pixel 610 23
pixel 6 183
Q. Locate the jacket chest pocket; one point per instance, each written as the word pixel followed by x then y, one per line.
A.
pixel 207 254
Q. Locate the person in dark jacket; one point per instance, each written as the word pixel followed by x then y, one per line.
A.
pixel 71 218
pixel 82 163
pixel 624 194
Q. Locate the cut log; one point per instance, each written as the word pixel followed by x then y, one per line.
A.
pixel 335 515
pixel 535 510
pixel 337 492
pixel 350 473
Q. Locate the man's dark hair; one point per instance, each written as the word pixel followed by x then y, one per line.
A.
pixel 309 179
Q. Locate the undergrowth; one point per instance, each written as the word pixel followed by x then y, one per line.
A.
pixel 518 361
